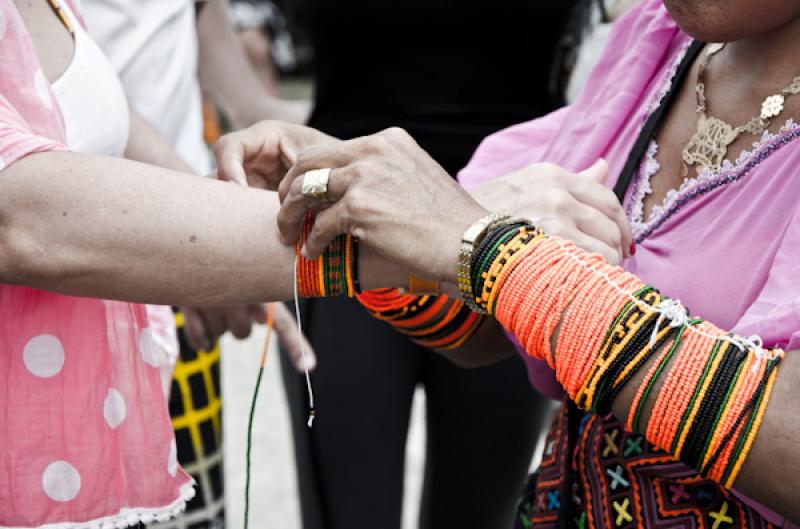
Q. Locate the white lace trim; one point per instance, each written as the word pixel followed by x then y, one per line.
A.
pixel 668 79
pixel 651 167
pixel 129 516
pixel 644 188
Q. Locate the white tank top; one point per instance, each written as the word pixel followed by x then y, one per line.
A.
pixel 91 98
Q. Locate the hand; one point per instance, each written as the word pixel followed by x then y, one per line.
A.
pixel 285 327
pixel 577 207
pixel 261 155
pixel 202 327
pixel 391 195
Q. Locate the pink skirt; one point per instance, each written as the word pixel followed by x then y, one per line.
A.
pixel 85 435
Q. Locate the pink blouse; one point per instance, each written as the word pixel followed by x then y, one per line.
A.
pixel 85 437
pixel 727 244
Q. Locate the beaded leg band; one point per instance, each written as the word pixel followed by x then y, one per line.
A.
pixel 607 326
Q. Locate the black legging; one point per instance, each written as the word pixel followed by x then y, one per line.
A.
pixel 481 424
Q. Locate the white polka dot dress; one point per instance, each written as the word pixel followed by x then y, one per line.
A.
pixel 86 427
pixel 85 436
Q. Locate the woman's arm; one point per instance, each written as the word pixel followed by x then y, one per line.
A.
pixel 576 207
pixel 202 326
pixel 104 227
pixel 390 194
pixel 226 74
pixel 146 146
pixel 770 472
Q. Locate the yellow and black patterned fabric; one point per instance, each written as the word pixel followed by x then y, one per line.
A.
pixel 195 406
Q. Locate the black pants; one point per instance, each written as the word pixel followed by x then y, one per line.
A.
pixel 481 425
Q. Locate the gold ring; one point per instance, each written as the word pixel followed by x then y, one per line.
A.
pixel 315 184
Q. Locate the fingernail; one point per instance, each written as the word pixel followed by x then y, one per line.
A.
pixel 633 249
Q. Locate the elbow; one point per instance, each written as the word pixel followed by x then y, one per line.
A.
pixel 22 259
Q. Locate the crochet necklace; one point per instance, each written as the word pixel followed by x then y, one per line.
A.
pixel 709 146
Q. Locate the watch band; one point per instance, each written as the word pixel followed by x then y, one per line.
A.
pixel 472 238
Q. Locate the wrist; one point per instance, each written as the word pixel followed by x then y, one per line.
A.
pixel 446 267
pixel 468 253
pixel 376 272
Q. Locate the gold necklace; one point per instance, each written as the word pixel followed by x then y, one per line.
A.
pixel 709 146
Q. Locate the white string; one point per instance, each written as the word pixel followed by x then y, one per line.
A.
pixel 672 310
pixel 677 317
pixel 302 342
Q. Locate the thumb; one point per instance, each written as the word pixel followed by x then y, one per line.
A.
pixel 598 171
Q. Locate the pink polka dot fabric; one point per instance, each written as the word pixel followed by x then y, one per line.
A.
pixel 85 436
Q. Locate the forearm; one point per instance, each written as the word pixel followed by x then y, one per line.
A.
pixel 226 74
pixel 769 474
pixel 487 346
pixel 146 146
pixel 110 228
pixel 618 346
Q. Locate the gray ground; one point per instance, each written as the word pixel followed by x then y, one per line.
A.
pixel 273 500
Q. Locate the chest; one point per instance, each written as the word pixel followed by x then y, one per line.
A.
pixel 731 101
pixel 49 34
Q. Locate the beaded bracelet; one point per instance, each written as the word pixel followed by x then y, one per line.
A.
pixel 608 326
pixel 334 273
pixel 431 321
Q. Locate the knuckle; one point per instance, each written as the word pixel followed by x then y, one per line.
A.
pixel 377 144
pixel 354 197
pixel 304 157
pixel 397 133
pixel 282 222
pixel 296 186
pixel 355 172
pixel 561 201
pixel 550 170
pixel 222 144
pixel 610 200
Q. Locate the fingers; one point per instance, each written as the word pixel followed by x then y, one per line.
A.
pixel 285 327
pixel 296 204
pixel 327 226
pixel 239 321
pixel 603 199
pixel 215 325
pixel 257 152
pixel 604 230
pixel 568 228
pixel 258 312
pixel 597 172
pixel 194 329
pixel 318 157
pixel 592 245
pixel 203 327
pixel 230 153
